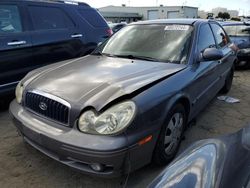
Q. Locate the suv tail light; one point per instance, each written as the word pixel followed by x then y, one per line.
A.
pixel 109 32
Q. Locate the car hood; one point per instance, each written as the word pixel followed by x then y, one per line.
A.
pixel 98 80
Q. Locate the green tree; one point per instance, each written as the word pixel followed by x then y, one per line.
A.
pixel 220 15
pixel 224 15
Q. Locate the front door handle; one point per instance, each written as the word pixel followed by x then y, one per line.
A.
pixel 76 35
pixel 16 43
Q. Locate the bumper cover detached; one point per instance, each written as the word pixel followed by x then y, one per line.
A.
pixel 75 149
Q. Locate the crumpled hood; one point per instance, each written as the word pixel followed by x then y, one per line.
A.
pixel 96 80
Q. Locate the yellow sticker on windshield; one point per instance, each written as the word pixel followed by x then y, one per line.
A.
pixel 176 28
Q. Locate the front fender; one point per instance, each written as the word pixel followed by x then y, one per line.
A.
pixel 182 98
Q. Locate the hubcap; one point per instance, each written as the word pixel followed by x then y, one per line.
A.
pixel 173 133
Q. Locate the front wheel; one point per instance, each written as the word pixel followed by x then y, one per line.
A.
pixel 170 137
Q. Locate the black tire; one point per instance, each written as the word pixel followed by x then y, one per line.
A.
pixel 164 152
pixel 242 65
pixel 228 82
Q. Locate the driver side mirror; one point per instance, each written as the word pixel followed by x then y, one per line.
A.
pixel 211 54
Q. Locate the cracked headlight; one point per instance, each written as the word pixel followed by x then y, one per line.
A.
pixel 112 121
pixel 19 92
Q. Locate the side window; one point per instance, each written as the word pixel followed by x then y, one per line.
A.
pixel 46 18
pixel 206 38
pixel 10 21
pixel 220 35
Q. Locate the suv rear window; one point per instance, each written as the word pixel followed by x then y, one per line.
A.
pixel 10 21
pixel 92 17
pixel 46 18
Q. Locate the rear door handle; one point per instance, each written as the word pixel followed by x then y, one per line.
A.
pixel 16 43
pixel 76 35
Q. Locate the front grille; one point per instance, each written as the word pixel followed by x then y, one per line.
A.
pixel 47 107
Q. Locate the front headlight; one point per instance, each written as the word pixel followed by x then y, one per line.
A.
pixel 112 121
pixel 19 92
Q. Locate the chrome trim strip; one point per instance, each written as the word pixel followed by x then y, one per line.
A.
pixel 16 43
pixel 76 36
pixel 50 96
pixel 11 83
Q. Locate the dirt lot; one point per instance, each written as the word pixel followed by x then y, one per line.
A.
pixel 23 166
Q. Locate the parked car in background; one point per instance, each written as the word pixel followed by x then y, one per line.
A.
pixel 117 26
pixel 218 162
pixel 36 33
pixel 239 32
pixel 128 102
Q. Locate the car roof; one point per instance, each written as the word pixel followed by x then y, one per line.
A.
pixel 188 21
pixel 231 23
pixel 71 2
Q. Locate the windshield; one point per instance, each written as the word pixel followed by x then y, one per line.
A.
pixel 166 43
pixel 237 30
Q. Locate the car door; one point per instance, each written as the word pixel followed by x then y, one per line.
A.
pixel 222 43
pixel 15 45
pixel 205 84
pixel 55 36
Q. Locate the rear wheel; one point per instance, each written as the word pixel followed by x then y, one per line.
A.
pixel 170 137
pixel 228 82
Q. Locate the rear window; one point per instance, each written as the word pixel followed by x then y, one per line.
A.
pixel 92 17
pixel 237 30
pixel 47 18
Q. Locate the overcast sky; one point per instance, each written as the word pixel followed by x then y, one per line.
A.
pixel 243 6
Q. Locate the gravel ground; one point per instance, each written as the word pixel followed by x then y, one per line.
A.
pixel 23 166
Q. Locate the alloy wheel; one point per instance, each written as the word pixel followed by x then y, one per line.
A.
pixel 173 133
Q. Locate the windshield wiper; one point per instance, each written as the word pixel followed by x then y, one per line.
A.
pixel 127 56
pixel 137 57
pixel 133 57
pixel 97 53
pixel 102 54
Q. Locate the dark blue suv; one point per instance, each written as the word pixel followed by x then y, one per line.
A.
pixel 36 33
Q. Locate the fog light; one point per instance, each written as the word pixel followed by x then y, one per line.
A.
pixel 97 167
